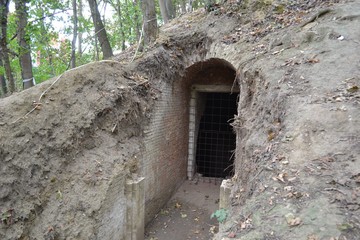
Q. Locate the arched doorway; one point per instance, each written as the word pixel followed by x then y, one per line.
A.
pixel 213 104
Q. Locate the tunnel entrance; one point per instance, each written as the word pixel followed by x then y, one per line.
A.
pixel 213 102
pixel 216 138
pixel 211 137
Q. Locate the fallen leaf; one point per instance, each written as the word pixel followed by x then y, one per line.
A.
pixel 345 226
pixel 352 89
pixel 313 60
pixel 246 224
pixel 213 229
pixel 183 215
pixel 292 179
pixel 177 205
pixel 231 235
pixel 285 162
pixel 313 237
pixel 271 135
pixel 164 212
pixel 281 177
pixel 59 195
pixel 294 222
pixel 291 220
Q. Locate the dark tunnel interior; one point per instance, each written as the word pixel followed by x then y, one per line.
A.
pixel 216 139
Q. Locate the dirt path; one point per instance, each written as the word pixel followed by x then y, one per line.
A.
pixel 187 214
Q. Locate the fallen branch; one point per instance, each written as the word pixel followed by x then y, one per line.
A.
pixel 334 189
pixel 316 16
pixel 139 43
pixel 38 103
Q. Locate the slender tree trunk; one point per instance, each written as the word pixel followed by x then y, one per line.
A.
pixel 163 11
pixel 4 51
pixel 2 80
pixel 24 46
pixel 96 50
pixel 150 24
pixel 170 9
pixel 100 30
pixel 136 20
pixel 167 10
pixel 46 54
pixel 183 6
pixel 75 32
pixel 80 32
pixel 122 33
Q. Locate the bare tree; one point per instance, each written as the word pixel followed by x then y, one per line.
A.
pixel 80 12
pixel 24 46
pixel 2 80
pixel 75 32
pixel 183 6
pixel 150 24
pixel 117 6
pixel 167 10
pixel 190 6
pixel 100 30
pixel 136 17
pixel 4 51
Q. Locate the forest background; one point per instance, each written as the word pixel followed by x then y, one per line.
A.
pixel 40 39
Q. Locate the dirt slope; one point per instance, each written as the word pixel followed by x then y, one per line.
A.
pixel 58 160
pixel 298 146
pixel 298 131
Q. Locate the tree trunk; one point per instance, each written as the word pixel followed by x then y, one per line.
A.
pixel 80 32
pixel 96 50
pixel 4 51
pixel 167 10
pixel 150 24
pixel 45 53
pixel 170 9
pixel 24 46
pixel 190 6
pixel 183 6
pixel 164 14
pixel 100 30
pixel 122 32
pixel 75 31
pixel 136 20
pixel 2 80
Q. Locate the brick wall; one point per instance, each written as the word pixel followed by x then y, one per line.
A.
pixel 165 159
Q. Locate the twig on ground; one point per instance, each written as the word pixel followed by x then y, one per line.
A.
pixel 334 189
pixel 316 16
pixel 38 103
pixel 139 43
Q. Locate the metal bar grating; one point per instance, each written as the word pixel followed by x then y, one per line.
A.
pixel 216 139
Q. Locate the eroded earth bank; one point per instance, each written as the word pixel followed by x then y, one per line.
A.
pixel 68 145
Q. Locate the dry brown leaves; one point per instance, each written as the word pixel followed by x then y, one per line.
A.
pixel 292 221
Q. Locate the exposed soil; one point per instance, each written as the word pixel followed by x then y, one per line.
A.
pixel 298 145
pixel 59 153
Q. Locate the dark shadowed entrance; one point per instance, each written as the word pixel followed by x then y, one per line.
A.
pixel 216 139
pixel 213 103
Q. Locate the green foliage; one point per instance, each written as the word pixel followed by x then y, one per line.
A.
pixel 50 29
pixel 7 217
pixel 221 215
